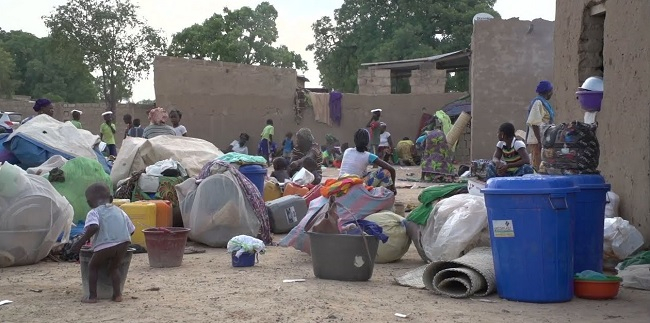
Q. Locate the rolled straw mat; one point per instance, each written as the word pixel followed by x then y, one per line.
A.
pixel 469 275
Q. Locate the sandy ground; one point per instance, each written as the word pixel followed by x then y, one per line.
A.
pixel 207 289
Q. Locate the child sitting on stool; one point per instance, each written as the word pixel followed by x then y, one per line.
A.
pixel 510 157
pixel 110 229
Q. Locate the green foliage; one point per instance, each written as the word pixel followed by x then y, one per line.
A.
pixel 384 30
pixel 146 102
pixel 112 40
pixel 47 71
pixel 244 36
pixel 8 84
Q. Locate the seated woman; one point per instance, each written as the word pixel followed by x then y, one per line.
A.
pixel 158 118
pixel 405 151
pixel 510 157
pixel 306 147
pixel 356 161
pixel 239 146
pixel 437 163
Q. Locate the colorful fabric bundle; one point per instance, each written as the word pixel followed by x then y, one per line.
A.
pixel 339 187
pixel 378 178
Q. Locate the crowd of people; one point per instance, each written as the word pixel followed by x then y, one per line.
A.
pixel 373 144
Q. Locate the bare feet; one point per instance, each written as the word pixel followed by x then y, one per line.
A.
pixel 117 298
pixel 89 300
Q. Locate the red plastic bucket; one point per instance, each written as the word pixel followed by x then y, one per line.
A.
pixel 165 246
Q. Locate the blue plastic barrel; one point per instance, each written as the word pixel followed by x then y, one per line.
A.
pixel 589 219
pixel 256 174
pixel 531 232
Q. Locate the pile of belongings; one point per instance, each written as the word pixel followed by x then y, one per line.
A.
pixel 354 202
pixel 32 216
pixel 43 137
pixel 570 149
pixel 236 209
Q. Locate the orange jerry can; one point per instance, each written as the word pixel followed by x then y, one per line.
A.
pixel 164 213
pixel 293 189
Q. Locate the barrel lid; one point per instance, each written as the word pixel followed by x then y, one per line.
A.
pixel 526 185
pixel 252 169
pixel 589 181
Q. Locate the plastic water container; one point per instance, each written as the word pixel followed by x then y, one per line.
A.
pixel 531 232
pixel 143 216
pixel 589 219
pixel 164 217
pixel 244 260
pixel 256 174
pixel 285 213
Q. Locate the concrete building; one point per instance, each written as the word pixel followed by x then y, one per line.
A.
pixel 509 58
pixel 610 39
pixel 426 75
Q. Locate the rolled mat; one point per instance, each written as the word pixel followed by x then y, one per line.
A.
pixel 458 128
pixel 469 275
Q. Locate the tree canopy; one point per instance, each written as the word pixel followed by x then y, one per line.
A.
pixel 112 39
pixel 40 69
pixel 365 31
pixel 243 35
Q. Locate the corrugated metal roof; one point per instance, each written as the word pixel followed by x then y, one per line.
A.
pixel 416 60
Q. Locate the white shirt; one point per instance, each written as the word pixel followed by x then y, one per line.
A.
pixel 517 144
pixel 540 117
pixel 383 139
pixel 180 130
pixel 93 218
pixel 239 149
pixel 356 163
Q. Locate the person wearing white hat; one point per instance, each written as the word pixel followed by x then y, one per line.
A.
pixel 107 133
pixel 76 119
pixel 374 129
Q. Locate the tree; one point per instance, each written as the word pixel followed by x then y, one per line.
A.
pixel 48 71
pixel 382 30
pixel 146 102
pixel 112 39
pixel 7 67
pixel 242 36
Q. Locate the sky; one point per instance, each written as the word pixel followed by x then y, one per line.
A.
pixel 294 21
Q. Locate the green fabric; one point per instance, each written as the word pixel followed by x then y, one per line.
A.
pixel 80 173
pixel 641 258
pixel 446 121
pixel 420 215
pixel 76 124
pixel 108 133
pixel 242 159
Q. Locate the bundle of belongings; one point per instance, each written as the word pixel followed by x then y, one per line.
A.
pixel 148 169
pixel 32 216
pixel 220 204
pixel 354 202
pixel 43 137
pixel 570 149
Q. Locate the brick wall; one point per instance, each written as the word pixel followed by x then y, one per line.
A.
pixel 428 80
pixel 374 81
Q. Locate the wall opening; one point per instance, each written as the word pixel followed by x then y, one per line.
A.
pixel 400 82
pixel 592 42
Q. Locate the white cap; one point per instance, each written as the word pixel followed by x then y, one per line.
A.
pixel 107 113
pixel 80 112
pixel 375 110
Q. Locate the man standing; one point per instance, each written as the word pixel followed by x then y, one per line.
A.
pixel 374 127
pixel 540 116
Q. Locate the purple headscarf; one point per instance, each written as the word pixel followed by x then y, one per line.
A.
pixel 40 104
pixel 544 87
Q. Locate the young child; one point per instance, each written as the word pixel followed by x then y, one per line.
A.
pixel 175 117
pixel 287 145
pixel 310 164
pixel 110 229
pixel 107 133
pixel 128 122
pixel 76 119
pixel 510 157
pixel 280 169
pixel 267 139
pixel 136 130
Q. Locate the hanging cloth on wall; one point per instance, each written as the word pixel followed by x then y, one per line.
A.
pixel 321 107
pixel 336 110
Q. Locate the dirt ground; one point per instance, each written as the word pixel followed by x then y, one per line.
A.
pixel 206 288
